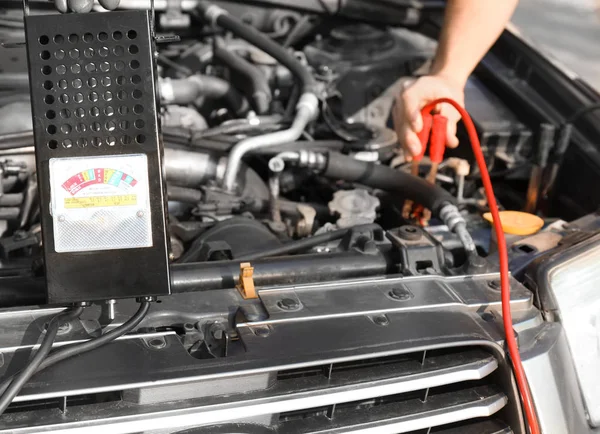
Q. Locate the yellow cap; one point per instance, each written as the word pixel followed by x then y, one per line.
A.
pixel 517 222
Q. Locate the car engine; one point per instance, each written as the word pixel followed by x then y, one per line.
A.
pixel 320 279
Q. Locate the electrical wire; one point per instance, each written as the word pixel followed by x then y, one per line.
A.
pixel 306 243
pixel 92 344
pixel 85 347
pixel 19 380
pixel 511 342
pixel 582 111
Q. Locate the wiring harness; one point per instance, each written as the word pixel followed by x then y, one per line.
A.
pixel 43 359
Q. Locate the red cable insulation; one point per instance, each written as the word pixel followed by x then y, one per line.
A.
pixel 513 349
pixel 424 135
pixel 437 145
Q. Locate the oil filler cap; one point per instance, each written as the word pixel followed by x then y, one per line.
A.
pixel 517 222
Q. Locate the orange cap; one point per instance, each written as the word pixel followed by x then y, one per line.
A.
pixel 517 222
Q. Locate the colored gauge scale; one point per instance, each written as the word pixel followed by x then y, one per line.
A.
pixel 90 177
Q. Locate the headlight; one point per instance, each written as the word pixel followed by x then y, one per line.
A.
pixel 575 285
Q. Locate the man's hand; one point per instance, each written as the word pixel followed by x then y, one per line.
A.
pixel 416 95
pixel 81 6
pixel 470 28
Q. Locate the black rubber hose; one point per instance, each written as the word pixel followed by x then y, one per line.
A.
pixel 346 168
pixel 183 194
pixel 19 380
pixel 252 81
pixel 307 243
pixel 21 139
pixel 11 199
pixel 188 90
pixel 9 213
pixel 272 48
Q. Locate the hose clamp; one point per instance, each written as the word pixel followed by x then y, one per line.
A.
pixel 310 102
pixel 451 216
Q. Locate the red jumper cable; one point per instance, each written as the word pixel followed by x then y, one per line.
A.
pixel 513 349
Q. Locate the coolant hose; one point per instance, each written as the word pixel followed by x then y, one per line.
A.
pixel 433 197
pixel 252 81
pixel 183 194
pixel 183 91
pixel 217 15
pixel 308 104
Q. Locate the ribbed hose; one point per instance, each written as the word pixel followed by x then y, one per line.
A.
pixel 252 81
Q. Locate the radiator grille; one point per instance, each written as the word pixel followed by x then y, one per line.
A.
pixel 446 391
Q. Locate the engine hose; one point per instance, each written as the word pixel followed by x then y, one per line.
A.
pixel 183 194
pixel 308 104
pixel 346 168
pixel 216 15
pixel 22 139
pixel 252 81
pixel 183 91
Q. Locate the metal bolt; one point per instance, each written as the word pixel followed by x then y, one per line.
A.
pixel 409 232
pixel 148 298
pixel 111 309
pixel 61 218
pixel 276 164
pixel 157 343
pixel 288 304
pixel 19 235
pixel 140 214
pixel 262 332
pixel 381 320
pixel 64 328
pixel 495 284
pixel 400 294
pixel 487 316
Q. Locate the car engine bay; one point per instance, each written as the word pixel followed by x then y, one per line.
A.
pixel 317 279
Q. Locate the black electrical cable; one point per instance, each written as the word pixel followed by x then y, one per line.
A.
pixel 582 111
pixel 17 383
pixel 78 349
pixel 92 344
pixel 307 243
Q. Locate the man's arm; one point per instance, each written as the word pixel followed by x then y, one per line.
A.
pixel 470 28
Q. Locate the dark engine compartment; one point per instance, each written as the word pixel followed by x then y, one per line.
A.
pixel 303 224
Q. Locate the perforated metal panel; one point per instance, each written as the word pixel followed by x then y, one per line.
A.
pixel 93 95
